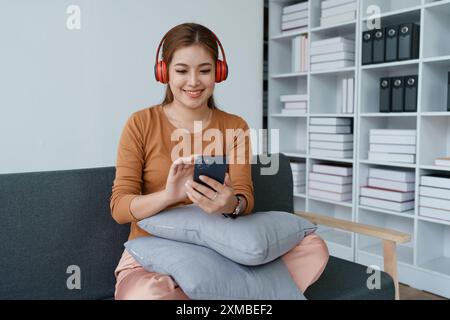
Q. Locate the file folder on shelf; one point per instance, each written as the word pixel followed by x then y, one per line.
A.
pixel 385 94
pixel 410 93
pixel 408 41
pixel 391 36
pixel 367 47
pixel 398 95
pixel 378 46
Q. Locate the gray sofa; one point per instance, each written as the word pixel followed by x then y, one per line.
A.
pixel 53 220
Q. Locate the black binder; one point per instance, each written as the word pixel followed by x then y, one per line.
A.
pixel 391 35
pixel 398 94
pixel 410 93
pixel 408 41
pixel 385 95
pixel 367 47
pixel 448 93
pixel 378 46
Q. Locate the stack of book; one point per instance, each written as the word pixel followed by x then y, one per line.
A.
pixel 333 53
pixel 434 195
pixel 295 17
pixel 393 145
pixel 337 12
pixel 300 55
pixel 444 162
pixel 389 189
pixel 299 177
pixel 331 182
pixel 331 138
pixel 347 95
pixel 294 105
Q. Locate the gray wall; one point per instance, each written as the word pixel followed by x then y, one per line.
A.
pixel 65 94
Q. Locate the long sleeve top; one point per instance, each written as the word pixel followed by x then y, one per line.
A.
pixel 145 150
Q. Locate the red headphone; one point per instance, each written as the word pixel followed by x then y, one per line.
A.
pixel 161 72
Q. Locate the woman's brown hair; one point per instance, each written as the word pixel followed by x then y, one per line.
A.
pixel 184 35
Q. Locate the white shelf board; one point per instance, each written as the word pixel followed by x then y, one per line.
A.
pixel 406 214
pixel 338 237
pixel 289 35
pixel 280 115
pixel 389 164
pixel 295 154
pixel 404 254
pixel 383 115
pixel 300 195
pixel 390 64
pixel 341 28
pixel 332 115
pixel 339 203
pixel 433 167
pixel 437 4
pixel 404 12
pixel 334 71
pixel 439 265
pixel 289 75
pixel 437 221
pixel 438 60
pixel 436 114
pixel 332 159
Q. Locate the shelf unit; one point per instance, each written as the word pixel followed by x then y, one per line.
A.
pixel 423 263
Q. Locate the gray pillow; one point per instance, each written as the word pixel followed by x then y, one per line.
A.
pixel 250 240
pixel 202 273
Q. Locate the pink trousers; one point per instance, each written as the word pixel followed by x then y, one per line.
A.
pixel 305 263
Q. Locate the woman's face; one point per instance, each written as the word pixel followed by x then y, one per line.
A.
pixel 192 76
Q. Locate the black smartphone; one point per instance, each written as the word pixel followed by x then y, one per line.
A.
pixel 213 167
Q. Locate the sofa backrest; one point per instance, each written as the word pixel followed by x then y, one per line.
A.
pixel 55 222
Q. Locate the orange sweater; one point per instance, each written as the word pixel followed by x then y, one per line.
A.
pixel 144 159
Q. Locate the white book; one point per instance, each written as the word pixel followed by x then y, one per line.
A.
pixel 394 175
pixel 338 19
pixel 442 162
pixel 300 166
pixel 330 129
pixel 299 175
pixel 294 98
pixel 350 95
pixel 392 185
pixel 331 145
pixel 434 213
pixel 294 16
pixel 435 181
pixel 299 189
pixel 295 47
pixel 331 121
pixel 294 24
pixel 331 137
pixel 392 148
pixel 333 57
pixel 331 153
pixel 330 187
pixel 328 12
pixel 344 84
pixel 391 132
pixel 330 195
pixel 434 192
pixel 334 3
pixel 330 178
pixel 340 47
pixel 387 194
pixel 392 157
pixel 343 171
pixel 388 205
pixel 332 65
pixel 435 203
pixel 294 112
pixel 296 105
pixel 332 41
pixel 299 183
pixel 294 31
pixel 408 140
pixel 296 7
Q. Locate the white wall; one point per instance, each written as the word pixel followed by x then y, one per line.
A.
pixel 65 95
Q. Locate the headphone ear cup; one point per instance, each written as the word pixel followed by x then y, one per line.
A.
pixel 161 72
pixel 221 71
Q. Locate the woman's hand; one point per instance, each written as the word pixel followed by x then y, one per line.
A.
pixel 181 171
pixel 220 200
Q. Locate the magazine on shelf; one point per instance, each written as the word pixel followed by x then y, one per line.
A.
pixel 388 205
pixel 392 185
pixel 330 178
pixel 395 175
pixel 387 194
pixel 344 171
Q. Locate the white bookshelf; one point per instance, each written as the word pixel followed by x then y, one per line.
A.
pixel 423 263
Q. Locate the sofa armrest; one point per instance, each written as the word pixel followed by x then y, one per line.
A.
pixel 390 239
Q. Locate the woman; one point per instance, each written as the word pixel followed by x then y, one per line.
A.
pixel 152 174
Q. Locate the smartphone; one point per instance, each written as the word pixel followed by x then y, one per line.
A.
pixel 213 167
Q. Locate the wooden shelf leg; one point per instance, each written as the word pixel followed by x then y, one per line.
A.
pixel 390 263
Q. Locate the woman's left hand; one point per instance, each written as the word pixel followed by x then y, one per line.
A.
pixel 220 200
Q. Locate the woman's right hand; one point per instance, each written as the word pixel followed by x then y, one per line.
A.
pixel 181 171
